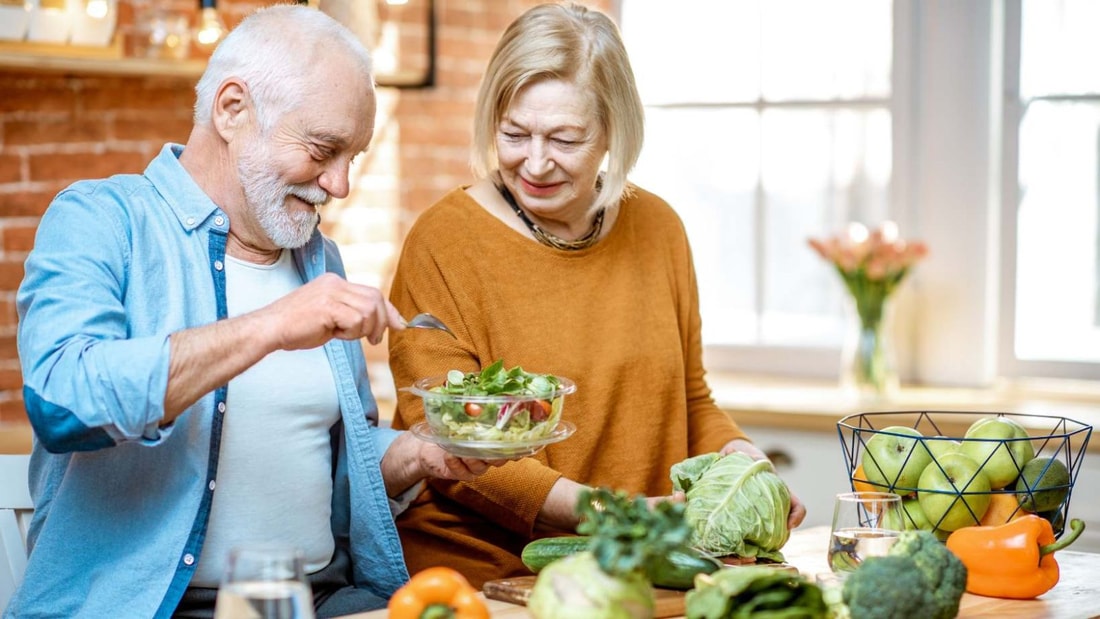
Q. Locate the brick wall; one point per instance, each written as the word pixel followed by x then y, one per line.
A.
pixel 56 129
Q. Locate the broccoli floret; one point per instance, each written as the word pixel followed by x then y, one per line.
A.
pixel 942 570
pixel 888 587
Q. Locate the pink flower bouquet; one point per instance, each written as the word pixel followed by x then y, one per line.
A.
pixel 871 265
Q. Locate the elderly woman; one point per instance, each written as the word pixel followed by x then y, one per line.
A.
pixel 548 263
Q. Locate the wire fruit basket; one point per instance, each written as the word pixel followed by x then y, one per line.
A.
pixel 956 469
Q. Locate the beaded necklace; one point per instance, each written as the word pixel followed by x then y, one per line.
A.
pixel 546 238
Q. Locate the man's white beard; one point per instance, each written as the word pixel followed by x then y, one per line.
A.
pixel 266 194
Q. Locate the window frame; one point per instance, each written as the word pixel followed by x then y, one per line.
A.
pixel 954 185
pixel 1013 113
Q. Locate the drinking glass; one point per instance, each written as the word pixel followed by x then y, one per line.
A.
pixel 264 582
pixel 865 524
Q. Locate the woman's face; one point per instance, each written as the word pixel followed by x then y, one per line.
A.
pixel 550 145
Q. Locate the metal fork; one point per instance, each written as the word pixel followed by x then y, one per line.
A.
pixel 427 321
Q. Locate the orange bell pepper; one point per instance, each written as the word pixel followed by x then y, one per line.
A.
pixel 1013 560
pixel 437 593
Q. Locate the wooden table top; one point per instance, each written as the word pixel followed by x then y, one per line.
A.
pixel 1077 595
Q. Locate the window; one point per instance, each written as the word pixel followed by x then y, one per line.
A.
pixel 1053 112
pixel 976 126
pixel 762 131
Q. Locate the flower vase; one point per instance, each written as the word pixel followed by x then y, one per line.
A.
pixel 869 364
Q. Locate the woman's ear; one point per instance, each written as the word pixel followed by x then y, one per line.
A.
pixel 232 109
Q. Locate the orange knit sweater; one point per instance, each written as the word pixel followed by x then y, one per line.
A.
pixel 620 318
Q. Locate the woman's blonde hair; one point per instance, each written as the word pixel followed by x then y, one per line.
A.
pixel 573 43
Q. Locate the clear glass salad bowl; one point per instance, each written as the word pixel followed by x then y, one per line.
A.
pixel 495 410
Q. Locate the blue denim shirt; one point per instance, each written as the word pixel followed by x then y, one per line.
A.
pixel 121 504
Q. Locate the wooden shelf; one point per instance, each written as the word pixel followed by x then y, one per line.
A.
pixel 71 59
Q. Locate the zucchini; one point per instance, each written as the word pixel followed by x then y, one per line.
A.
pixel 541 552
pixel 677 569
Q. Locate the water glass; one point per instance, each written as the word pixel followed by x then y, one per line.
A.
pixel 264 582
pixel 865 524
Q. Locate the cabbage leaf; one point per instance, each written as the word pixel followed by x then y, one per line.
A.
pixel 735 505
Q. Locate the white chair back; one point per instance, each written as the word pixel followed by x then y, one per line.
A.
pixel 15 515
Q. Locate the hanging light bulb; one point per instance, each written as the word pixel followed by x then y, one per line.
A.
pixel 96 9
pixel 211 27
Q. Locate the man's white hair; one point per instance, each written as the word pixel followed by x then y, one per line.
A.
pixel 275 52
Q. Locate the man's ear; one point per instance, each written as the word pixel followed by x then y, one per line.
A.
pixel 232 109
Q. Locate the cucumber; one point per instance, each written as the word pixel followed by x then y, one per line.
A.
pixel 677 569
pixel 541 552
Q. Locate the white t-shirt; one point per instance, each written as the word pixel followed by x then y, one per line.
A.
pixel 274 480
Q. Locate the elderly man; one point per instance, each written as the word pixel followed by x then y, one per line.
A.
pixel 191 353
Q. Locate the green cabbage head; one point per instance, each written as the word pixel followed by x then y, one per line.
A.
pixel 735 505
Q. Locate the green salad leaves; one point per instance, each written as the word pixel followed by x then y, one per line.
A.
pixel 495 380
pixel 496 404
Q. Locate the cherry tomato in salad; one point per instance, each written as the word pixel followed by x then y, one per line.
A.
pixel 473 409
pixel 540 410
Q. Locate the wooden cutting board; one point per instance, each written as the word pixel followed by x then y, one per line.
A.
pixel 669 602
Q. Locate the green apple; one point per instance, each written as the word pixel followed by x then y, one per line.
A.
pixel 954 492
pixel 894 458
pixel 941 446
pixel 912 517
pixel 1001 446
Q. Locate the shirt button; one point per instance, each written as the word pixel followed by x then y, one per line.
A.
pixel 212 484
pixel 188 559
pixel 221 407
pixel 190 221
pixel 218 265
pixel 219 220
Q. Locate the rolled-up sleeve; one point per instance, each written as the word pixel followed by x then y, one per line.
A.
pixel 89 381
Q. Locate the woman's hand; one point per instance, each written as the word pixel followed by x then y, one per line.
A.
pixel 409 460
pixel 798 510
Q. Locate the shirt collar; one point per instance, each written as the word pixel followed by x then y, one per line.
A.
pixel 184 197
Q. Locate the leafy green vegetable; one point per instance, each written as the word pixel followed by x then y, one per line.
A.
pixel 626 533
pixel 756 593
pixel 496 404
pixel 609 581
pixel 495 380
pixel 735 505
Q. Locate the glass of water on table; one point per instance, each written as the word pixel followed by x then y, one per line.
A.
pixel 865 524
pixel 264 582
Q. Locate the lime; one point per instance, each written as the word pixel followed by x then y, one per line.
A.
pixel 1043 484
pixel 1057 520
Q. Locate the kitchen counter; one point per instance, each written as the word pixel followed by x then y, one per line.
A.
pixel 1077 595
pixel 785 403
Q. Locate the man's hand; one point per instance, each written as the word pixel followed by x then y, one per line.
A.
pixel 409 460
pixel 204 358
pixel 331 307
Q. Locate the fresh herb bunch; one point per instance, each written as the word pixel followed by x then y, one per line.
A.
pixel 626 534
pixel 495 380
